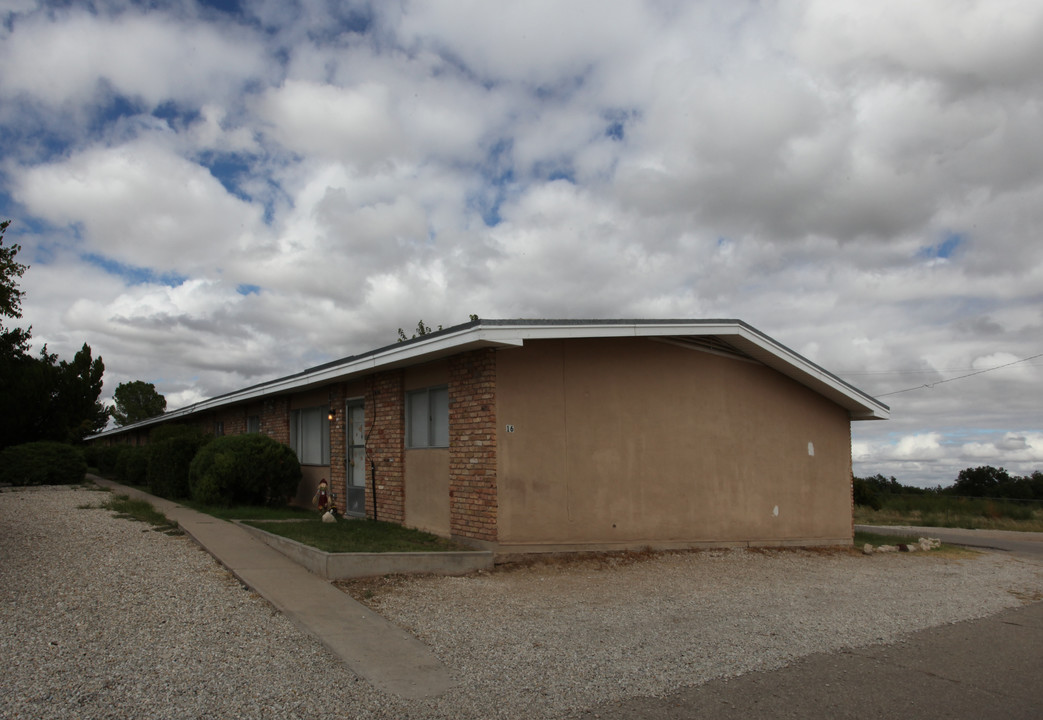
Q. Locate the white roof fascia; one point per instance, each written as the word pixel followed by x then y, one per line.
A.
pixel 394 356
pixel 806 372
pixel 514 334
pixel 759 346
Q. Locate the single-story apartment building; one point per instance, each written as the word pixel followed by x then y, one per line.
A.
pixel 561 435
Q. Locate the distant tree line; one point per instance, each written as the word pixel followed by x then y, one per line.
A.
pixel 980 482
pixel 991 482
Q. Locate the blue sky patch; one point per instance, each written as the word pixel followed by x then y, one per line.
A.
pixel 133 275
pixel 175 116
pixel 944 250
pixel 34 139
pixel 228 6
pixel 228 169
pixel 498 174
pixel 246 289
pixel 117 107
pixel 616 124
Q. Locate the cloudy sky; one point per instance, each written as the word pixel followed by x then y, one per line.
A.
pixel 212 194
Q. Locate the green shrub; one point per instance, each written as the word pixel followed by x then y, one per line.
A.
pixel 132 465
pixel 107 458
pixel 170 431
pixel 42 463
pixel 168 465
pixel 248 469
pixel 91 451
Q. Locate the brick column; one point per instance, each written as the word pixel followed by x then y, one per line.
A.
pixel 275 419
pixel 472 445
pixel 338 452
pixel 385 445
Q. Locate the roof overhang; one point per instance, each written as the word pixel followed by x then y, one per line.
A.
pixel 730 337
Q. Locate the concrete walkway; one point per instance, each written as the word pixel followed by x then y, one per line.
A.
pixel 387 656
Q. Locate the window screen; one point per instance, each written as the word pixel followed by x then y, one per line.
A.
pixel 427 418
pixel 310 435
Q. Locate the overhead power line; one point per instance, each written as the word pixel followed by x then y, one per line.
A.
pixel 961 377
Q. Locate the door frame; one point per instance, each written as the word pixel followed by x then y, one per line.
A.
pixel 350 489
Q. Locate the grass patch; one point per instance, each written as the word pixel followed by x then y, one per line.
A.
pixel 878 539
pixel 861 538
pixel 346 536
pixel 141 511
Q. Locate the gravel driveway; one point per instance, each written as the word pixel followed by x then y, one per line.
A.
pixel 103 618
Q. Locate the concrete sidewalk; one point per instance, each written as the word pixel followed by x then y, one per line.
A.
pixel 988 668
pixel 387 656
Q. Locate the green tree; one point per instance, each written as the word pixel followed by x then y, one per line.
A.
pixel 41 398
pixel 23 382
pixel 77 389
pixel 136 401
pixel 13 341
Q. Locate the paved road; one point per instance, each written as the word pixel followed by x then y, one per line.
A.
pixel 1020 543
pixel 988 668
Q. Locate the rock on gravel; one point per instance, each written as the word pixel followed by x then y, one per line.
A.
pixel 102 617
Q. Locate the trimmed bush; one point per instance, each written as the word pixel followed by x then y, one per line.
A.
pixel 247 469
pixel 108 456
pixel 132 466
pixel 171 449
pixel 42 463
pixel 168 465
pixel 91 452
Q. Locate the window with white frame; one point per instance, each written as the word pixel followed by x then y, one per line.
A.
pixel 427 417
pixel 310 435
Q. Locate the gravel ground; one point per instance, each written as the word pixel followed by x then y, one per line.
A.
pixel 101 617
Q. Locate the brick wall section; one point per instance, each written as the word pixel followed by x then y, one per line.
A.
pixel 472 445
pixel 275 419
pixel 338 461
pixel 235 422
pixel 385 446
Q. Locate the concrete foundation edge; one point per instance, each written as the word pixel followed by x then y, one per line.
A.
pixel 344 566
pixel 507 551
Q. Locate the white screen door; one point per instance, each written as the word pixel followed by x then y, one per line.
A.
pixel 356 447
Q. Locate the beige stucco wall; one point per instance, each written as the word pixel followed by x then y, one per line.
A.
pixel 427 470
pixel 625 442
pixel 427 490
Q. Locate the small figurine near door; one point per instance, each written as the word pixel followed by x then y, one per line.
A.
pixel 322 500
pixel 322 496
